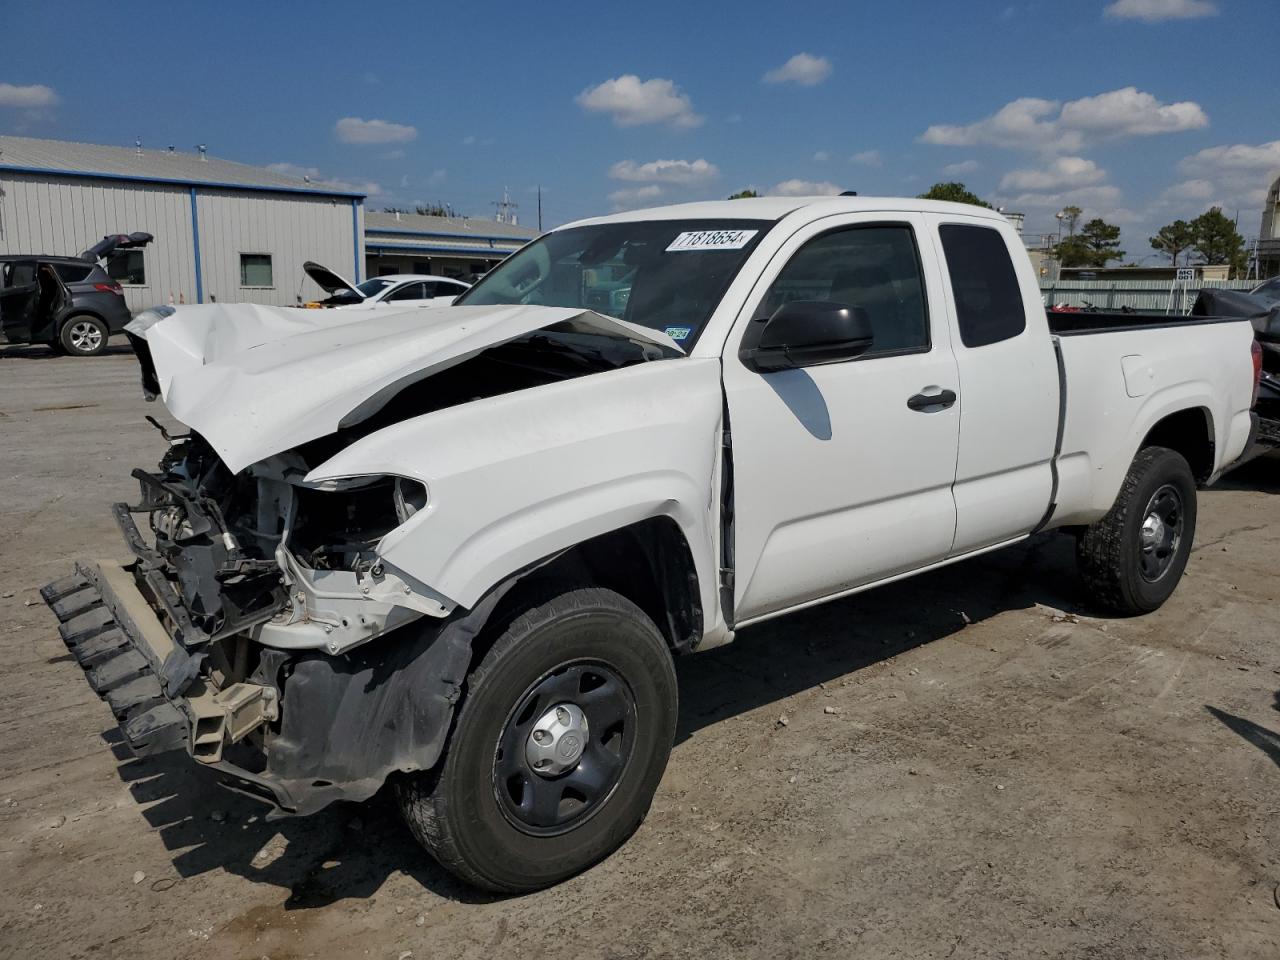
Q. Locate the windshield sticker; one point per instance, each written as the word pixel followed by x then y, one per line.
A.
pixel 678 333
pixel 711 240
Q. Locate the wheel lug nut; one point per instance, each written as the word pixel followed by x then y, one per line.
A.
pixel 541 736
pixel 562 715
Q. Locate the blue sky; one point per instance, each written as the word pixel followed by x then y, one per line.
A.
pixel 1138 110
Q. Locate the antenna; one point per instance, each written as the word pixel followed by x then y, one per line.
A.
pixel 539 208
pixel 137 146
pixel 506 208
pixel 204 157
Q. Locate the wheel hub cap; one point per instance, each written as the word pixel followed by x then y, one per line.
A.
pixel 558 738
pixel 85 336
pixel 1161 533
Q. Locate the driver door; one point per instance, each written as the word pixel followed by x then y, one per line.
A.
pixel 19 299
pixel 837 480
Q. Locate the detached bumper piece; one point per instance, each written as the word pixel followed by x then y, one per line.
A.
pixel 98 625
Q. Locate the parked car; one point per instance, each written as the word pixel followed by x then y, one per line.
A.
pixel 397 290
pixel 1268 288
pixel 70 303
pixel 460 551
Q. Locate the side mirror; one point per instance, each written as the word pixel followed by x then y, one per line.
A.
pixel 806 333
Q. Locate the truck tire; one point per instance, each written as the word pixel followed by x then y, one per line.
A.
pixel 563 735
pixel 83 335
pixel 1133 558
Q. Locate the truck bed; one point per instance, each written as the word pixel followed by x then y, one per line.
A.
pixel 1090 321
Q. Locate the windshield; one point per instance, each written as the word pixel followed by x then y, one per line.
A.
pixel 375 285
pixel 1269 289
pixel 664 274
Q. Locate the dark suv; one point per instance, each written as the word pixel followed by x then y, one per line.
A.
pixel 69 303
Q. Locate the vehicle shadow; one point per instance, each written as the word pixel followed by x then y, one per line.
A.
pixel 1256 734
pixel 118 347
pixel 348 851
pixel 1262 473
pixel 779 658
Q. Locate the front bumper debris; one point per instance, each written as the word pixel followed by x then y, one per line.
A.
pixel 132 662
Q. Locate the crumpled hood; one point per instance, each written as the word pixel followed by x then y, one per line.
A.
pixel 255 381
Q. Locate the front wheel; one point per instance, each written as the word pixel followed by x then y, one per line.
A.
pixel 1134 557
pixel 84 336
pixel 562 738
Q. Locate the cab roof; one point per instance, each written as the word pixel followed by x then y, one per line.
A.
pixel 775 208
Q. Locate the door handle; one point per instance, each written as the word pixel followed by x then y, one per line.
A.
pixel 930 402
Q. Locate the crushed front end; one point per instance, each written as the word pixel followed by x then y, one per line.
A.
pixel 238 632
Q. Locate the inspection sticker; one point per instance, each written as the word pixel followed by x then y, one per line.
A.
pixel 678 333
pixel 711 240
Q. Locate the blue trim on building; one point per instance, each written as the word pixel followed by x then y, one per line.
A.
pixel 176 182
pixel 450 236
pixel 195 243
pixel 355 238
pixel 493 253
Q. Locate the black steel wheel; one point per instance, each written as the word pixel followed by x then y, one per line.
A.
pixel 559 745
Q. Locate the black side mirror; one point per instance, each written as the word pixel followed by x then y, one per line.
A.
pixel 806 333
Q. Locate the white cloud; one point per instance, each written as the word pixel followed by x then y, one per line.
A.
pixel 1059 173
pixel 1090 198
pixel 868 158
pixel 1129 112
pixel 961 168
pixel 34 96
pixel 1189 190
pixel 629 198
pixel 396 154
pixel 1153 11
pixel 821 156
pixel 804 69
pixel 1259 160
pixel 355 130
pixel 804 188
pixel 314 176
pixel 1050 126
pixel 633 102
pixel 665 171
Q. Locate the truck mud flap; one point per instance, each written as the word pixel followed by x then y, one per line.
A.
pixel 90 615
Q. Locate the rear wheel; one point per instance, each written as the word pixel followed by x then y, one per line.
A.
pixel 1133 558
pixel 559 746
pixel 84 336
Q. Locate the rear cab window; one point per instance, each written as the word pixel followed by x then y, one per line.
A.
pixel 988 299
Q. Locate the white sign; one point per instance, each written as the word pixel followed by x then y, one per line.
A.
pixel 1186 274
pixel 711 240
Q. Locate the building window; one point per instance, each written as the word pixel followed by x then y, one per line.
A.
pixel 255 270
pixel 422 267
pixel 127 267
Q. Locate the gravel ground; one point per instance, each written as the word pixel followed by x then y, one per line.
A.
pixel 967 764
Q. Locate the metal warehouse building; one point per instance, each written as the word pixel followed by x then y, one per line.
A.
pixel 458 247
pixel 223 230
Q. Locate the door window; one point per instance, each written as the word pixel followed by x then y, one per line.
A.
pixel 876 268
pixel 71 272
pixel 988 298
pixel 410 291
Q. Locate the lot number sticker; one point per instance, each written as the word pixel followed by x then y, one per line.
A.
pixel 711 240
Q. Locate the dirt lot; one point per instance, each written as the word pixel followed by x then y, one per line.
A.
pixel 1001 775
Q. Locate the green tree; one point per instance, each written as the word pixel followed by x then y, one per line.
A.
pixel 1217 240
pixel 955 193
pixel 1097 243
pixel 1071 216
pixel 1173 239
pixel 743 194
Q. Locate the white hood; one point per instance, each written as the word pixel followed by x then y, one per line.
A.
pixel 255 381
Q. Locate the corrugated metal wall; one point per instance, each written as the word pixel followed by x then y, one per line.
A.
pixel 63 215
pixel 292 230
pixel 1137 294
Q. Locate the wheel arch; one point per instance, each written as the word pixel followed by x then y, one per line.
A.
pixel 1190 432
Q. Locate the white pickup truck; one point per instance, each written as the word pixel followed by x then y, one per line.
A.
pixel 458 550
